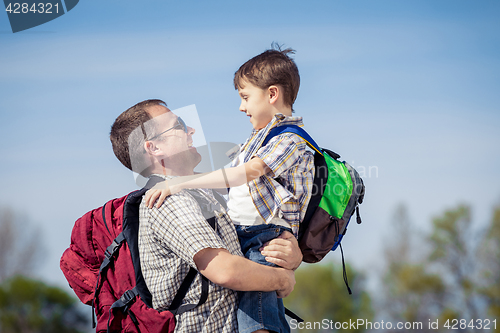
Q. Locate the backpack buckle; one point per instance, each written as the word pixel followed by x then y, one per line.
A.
pixel 110 250
pixel 124 302
pixel 128 296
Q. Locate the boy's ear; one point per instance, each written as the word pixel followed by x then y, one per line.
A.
pixel 274 93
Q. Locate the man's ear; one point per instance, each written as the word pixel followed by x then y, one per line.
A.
pixel 274 93
pixel 152 149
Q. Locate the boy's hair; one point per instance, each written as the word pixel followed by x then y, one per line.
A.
pixel 128 134
pixel 272 67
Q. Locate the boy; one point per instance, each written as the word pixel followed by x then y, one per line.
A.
pixel 270 185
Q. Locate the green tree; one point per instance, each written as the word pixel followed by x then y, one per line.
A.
pixel 490 260
pixel 320 293
pixel 410 291
pixel 454 257
pixel 453 273
pixel 28 306
pixel 20 245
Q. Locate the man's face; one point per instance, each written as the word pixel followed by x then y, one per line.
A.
pixel 255 104
pixel 176 141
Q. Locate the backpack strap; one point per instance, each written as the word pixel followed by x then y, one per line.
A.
pixel 124 304
pixel 300 132
pixel 175 307
pixel 104 218
pixel 109 257
pixel 311 143
pixel 129 296
pixel 292 129
pixel 140 289
pixel 220 199
pixel 344 272
pixel 292 315
pixel 207 208
pixel 113 248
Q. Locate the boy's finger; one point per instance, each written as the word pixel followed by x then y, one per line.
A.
pixel 274 254
pixel 286 235
pixel 154 197
pixel 151 199
pixel 147 197
pixel 268 247
pixel 279 262
pixel 276 241
pixel 275 244
pixel 163 195
pixel 279 242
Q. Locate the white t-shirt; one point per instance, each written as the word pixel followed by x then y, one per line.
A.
pixel 241 208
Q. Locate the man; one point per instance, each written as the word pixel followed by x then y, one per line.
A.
pixel 151 140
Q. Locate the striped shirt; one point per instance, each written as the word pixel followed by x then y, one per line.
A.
pixel 169 238
pixel 286 190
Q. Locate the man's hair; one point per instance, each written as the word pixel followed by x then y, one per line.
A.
pixel 272 67
pixel 130 131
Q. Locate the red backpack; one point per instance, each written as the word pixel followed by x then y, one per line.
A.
pixel 103 268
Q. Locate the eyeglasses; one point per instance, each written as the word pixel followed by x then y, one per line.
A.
pixel 180 125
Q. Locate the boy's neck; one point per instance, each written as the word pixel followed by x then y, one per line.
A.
pixel 287 112
pixel 284 110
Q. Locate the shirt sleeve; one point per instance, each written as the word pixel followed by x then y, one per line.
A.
pixel 180 227
pixel 281 153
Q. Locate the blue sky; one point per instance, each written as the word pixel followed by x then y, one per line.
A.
pixel 405 91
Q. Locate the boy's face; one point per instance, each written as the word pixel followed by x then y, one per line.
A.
pixel 255 102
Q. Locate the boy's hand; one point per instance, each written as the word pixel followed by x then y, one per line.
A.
pixel 153 194
pixel 283 251
pixel 159 192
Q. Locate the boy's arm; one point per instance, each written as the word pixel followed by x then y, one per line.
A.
pixel 222 178
pixel 238 273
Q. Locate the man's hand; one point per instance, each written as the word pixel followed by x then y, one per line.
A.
pixel 283 251
pixel 289 284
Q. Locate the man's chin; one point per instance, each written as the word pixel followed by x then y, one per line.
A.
pixel 197 156
pixel 194 156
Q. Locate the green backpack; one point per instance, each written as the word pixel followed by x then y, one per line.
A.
pixel 337 191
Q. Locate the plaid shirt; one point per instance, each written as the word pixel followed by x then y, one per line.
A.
pixel 169 237
pixel 286 190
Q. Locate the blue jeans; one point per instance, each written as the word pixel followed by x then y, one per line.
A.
pixel 260 310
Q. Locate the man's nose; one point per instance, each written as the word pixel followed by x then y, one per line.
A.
pixel 190 130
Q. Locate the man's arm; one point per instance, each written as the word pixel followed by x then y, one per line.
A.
pixel 183 230
pixel 238 273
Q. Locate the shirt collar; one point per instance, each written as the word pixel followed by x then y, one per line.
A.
pixel 258 136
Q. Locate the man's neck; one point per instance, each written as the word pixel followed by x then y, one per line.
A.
pixel 172 171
